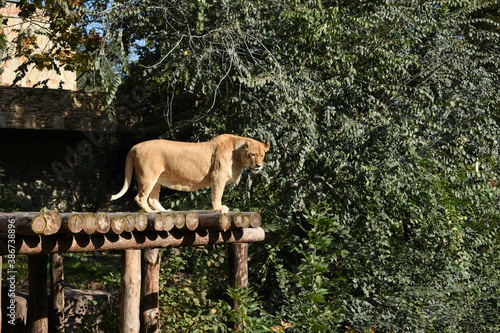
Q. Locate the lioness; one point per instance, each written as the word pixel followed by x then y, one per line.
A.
pixel 188 167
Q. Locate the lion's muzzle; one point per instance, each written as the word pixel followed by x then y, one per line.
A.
pixel 256 168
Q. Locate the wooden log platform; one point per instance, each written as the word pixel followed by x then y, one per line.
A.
pixel 48 223
pixel 38 234
pixel 78 243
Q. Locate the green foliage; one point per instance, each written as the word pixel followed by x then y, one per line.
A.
pixel 190 293
pixel 248 314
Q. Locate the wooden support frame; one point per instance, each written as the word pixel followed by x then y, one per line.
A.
pixel 139 308
pixel 79 243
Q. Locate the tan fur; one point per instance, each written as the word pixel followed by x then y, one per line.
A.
pixel 188 167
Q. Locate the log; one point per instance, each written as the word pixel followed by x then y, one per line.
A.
pixel 72 222
pixel 78 243
pixel 214 222
pixel 129 222
pixel 1 291
pixel 25 223
pixel 89 223
pixel 117 224
pixel 130 291
pixel 255 219
pixel 238 275
pixel 54 222
pixel 239 221
pixel 38 306
pixel 155 223
pixel 56 322
pixel 246 219
pixel 150 280
pixel 168 222
pixel 192 221
pixel 103 223
pixel 141 222
pixel 179 220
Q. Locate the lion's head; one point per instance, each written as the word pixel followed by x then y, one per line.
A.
pixel 254 153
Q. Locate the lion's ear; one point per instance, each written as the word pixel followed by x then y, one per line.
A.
pixel 247 145
pixel 266 146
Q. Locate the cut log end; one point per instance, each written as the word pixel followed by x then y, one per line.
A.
pixel 168 222
pixel 38 224
pixel 103 223
pixel 158 224
pixel 224 221
pixel 75 223
pixel 255 220
pixel 117 224
pixel 141 222
pixel 90 223
pixel 54 222
pixel 192 221
pixel 129 223
pixel 179 220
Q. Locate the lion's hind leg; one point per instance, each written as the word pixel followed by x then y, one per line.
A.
pixel 146 186
pixel 154 198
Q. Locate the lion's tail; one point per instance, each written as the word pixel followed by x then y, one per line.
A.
pixel 129 168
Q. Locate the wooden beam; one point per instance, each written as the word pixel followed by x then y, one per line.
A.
pixel 48 223
pixel 38 321
pixel 150 305
pixel 25 223
pixel 130 296
pixel 78 243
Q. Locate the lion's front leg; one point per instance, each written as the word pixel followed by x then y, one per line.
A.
pixel 218 185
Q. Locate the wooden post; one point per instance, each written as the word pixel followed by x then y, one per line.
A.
pixel 56 321
pixel 38 306
pixel 1 306
pixel 150 305
pixel 130 291
pixel 238 272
